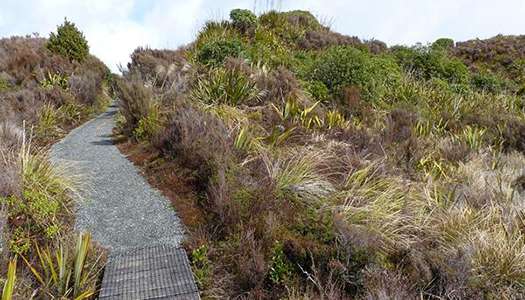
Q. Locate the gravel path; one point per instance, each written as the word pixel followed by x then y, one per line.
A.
pixel 119 208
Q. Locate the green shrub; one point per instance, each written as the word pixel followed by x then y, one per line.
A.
pixel 243 19
pixel 213 31
pixel 426 63
pixel 317 90
pixel 201 265
pixel 69 42
pixel 280 268
pixel 149 125
pixel 267 48
pixel 517 70
pixel 443 44
pixel 290 26
pixel 455 71
pixel 339 67
pixel 303 19
pixel 488 82
pixel 214 52
pixel 4 85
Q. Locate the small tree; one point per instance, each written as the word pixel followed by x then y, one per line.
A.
pixel 69 42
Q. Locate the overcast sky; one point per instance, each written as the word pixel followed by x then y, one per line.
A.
pixel 115 27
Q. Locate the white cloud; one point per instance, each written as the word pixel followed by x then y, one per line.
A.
pixel 114 28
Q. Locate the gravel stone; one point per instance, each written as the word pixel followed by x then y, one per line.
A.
pixel 119 208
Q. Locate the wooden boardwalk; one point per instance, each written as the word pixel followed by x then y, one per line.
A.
pixel 155 272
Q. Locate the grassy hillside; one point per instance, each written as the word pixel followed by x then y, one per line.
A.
pixel 47 87
pixel 323 166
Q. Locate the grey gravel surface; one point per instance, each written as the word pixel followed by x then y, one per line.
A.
pixel 118 206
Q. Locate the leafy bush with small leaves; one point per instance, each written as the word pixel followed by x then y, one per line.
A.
pixel 216 51
pixel 69 42
pixel 317 90
pixel 149 125
pixel 4 84
pixel 280 268
pixel 488 82
pixel 427 63
pixel 443 44
pixel 243 19
pixel 340 67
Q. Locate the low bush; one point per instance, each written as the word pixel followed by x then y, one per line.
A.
pixel 135 102
pixel 86 86
pixel 199 139
pixel 340 67
pixel 243 19
pixel 278 85
pixel 291 26
pixel 4 84
pixel 160 68
pixel 215 52
pixel 266 48
pixel 317 90
pixel 488 82
pixel 427 63
pixel 149 125
pixel 318 40
pixel 443 44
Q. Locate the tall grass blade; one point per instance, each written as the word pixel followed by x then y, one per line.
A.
pixel 9 286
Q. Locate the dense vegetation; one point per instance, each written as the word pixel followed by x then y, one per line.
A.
pixel 46 88
pixel 323 166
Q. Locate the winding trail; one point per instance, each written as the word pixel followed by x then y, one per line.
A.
pixel 126 215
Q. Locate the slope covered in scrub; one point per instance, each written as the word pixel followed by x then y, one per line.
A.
pixel 323 166
pixel 47 87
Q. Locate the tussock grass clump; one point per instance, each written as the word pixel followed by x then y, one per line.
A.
pixel 223 86
pixel 380 206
